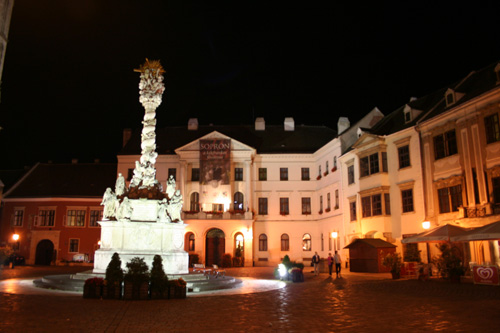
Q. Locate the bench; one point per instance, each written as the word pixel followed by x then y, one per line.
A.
pixel 218 271
pixel 201 268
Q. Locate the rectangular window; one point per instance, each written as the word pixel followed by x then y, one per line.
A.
pixel 350 174
pixel 305 174
pixel 46 217
pixel 238 174
pixel 74 245
pixel 262 242
pixel 366 206
pixel 387 199
pixel 18 217
pixel 404 156
pixel 320 204
pixel 328 202
pixel 336 199
pixel 326 168
pixel 75 218
pixel 195 174
pixel 284 208
pixel 450 199
pixel 95 216
pixel 352 208
pixel 306 206
pixel 262 174
pixel 262 206
pixel 285 242
pixel 172 172
pixel 283 173
pixel 492 127
pixel 445 145
pixel 369 165
pixel 407 198
pixel 319 170
pixel 376 204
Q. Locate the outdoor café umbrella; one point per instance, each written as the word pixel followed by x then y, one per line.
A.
pixel 442 233
pixel 488 232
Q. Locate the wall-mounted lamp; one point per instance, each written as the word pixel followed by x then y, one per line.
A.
pixel 426 225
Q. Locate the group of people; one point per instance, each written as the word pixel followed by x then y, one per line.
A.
pixel 336 259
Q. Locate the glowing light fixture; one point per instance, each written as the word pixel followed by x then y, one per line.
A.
pixel 282 270
pixel 15 237
pixel 335 234
pixel 426 225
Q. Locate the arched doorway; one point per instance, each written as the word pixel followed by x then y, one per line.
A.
pixel 44 252
pixel 215 247
pixel 239 246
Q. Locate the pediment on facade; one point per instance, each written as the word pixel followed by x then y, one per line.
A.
pixel 367 139
pixel 195 145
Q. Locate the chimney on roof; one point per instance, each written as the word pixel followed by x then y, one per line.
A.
pixel 342 125
pixel 74 161
pixel 412 99
pixel 289 124
pixel 193 124
pixel 127 133
pixel 260 124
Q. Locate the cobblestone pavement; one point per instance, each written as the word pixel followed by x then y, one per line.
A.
pixel 358 302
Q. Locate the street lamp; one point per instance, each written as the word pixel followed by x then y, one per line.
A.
pixel 15 237
pixel 334 236
pixel 426 225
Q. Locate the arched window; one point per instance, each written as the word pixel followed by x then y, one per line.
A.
pixel 195 202
pixel 306 242
pixel 262 242
pixel 238 201
pixel 189 242
pixel 239 245
pixel 285 242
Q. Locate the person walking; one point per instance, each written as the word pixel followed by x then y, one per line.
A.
pixel 315 260
pixel 330 263
pixel 338 263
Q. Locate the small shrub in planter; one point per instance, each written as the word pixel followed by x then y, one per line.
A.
pixel 394 262
pixel 136 285
pixel 449 263
pixel 93 288
pixel 177 288
pixel 226 260
pixel 159 280
pixel 114 277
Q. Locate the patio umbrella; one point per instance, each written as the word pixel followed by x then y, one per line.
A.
pixel 442 233
pixel 488 232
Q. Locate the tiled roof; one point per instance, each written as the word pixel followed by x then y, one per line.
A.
pixel 65 180
pixel 274 139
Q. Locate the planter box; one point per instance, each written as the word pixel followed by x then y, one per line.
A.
pixel 136 291
pixel 91 291
pixel 112 291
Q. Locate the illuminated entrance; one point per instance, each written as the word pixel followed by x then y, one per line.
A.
pixel 215 247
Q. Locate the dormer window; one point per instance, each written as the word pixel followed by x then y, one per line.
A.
pixel 451 96
pixel 450 99
pixel 407 116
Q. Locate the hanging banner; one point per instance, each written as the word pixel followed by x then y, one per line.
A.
pixel 215 162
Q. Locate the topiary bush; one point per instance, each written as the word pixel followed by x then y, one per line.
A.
pixel 226 260
pixel 114 272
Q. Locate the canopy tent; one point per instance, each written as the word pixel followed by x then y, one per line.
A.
pixel 442 233
pixel 488 232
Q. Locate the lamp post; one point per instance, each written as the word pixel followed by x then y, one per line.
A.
pixel 15 237
pixel 334 236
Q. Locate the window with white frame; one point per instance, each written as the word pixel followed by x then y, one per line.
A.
pixel 404 156
pixel 95 216
pixel 352 210
pixel 407 200
pixel 18 217
pixel 283 173
pixel 262 206
pixel 75 217
pixel 262 174
pixel 284 207
pixel 46 217
pixel 238 174
pixel 350 174
pixel 445 144
pixel 374 202
pixel 306 206
pixel 450 198
pixel 305 173
pixel 74 245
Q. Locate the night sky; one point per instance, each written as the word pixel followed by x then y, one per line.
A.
pixel 68 86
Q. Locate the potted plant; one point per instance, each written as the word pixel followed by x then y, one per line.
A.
pixel 177 288
pixel 449 263
pixel 93 288
pixel 159 280
pixel 136 280
pixel 393 261
pixel 112 287
pixel 226 260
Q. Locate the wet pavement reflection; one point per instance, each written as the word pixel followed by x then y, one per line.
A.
pixel 355 303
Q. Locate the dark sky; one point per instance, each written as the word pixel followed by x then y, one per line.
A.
pixel 68 86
